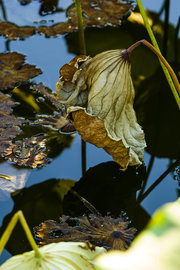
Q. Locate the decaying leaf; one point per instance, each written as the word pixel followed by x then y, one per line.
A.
pixel 48 94
pixel 56 29
pixel 9 124
pixel 11 31
pixel 56 121
pixel 100 13
pixel 27 152
pixel 57 256
pixel 95 13
pixel 111 233
pixel 100 96
pixel 37 138
pixel 156 247
pixel 13 70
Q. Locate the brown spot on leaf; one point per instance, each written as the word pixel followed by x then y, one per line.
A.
pixel 11 31
pixel 13 70
pixel 111 233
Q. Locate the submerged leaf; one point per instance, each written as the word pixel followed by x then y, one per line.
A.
pixel 57 256
pixel 157 247
pixel 13 70
pixel 111 233
pixel 100 97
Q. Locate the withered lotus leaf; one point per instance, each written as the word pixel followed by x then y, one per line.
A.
pixel 111 233
pixel 13 70
pixel 100 13
pixel 100 97
pixel 95 13
pixel 29 152
pixel 12 31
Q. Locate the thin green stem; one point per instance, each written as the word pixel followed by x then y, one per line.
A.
pixel 153 39
pixel 6 235
pixel 29 234
pixel 80 27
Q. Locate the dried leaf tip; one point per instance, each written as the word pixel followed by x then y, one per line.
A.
pixel 101 93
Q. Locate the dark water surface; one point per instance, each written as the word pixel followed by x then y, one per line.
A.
pixel 42 198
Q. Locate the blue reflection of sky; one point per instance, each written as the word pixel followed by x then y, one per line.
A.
pixel 155 5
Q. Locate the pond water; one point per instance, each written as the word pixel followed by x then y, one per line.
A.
pixel 157 113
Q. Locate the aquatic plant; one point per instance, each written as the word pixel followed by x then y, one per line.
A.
pixel 55 256
pixel 156 247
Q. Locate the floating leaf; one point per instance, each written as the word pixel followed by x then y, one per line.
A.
pixel 56 29
pixel 6 104
pixel 98 13
pixel 38 137
pixel 48 94
pixel 57 256
pixel 100 97
pixel 111 233
pixel 13 70
pixel 11 31
pixel 157 247
pixel 28 152
pixel 101 13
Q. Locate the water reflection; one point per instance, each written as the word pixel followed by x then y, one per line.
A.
pixel 105 186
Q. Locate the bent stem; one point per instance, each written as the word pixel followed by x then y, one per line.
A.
pixel 154 42
pixel 6 235
pixel 163 60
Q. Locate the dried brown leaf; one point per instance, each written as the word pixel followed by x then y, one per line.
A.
pixel 92 130
pixel 56 29
pixel 13 70
pixel 100 13
pixel 6 104
pixel 102 94
pixel 47 93
pixel 111 233
pixel 11 31
pixel 95 13
pixel 27 152
pixel 55 121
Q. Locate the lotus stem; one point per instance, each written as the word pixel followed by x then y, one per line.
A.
pixel 154 42
pixel 80 27
pixel 6 235
pixel 163 60
pixel 82 46
pixel 8 231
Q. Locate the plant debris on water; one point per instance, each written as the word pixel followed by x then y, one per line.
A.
pixel 13 70
pixel 111 233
